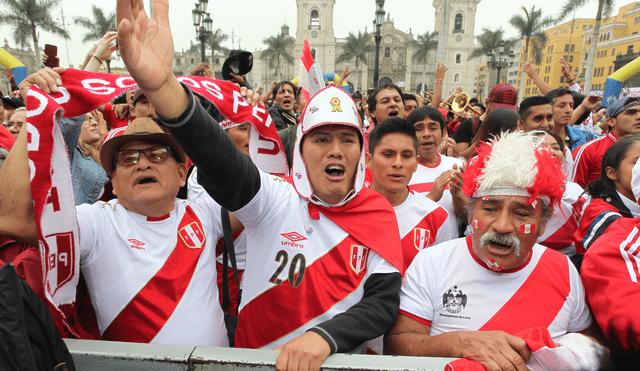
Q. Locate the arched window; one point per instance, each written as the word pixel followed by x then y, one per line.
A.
pixel 456 77
pixel 457 26
pixel 313 53
pixel 387 52
pixel 315 19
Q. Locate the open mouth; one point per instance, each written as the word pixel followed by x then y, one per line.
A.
pixel 500 244
pixel 393 114
pixel 146 180
pixel 286 101
pixel 335 171
pixel 427 143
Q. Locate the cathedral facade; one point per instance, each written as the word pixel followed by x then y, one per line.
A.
pixel 455 21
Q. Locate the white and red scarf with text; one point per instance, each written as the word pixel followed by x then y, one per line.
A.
pixel 50 173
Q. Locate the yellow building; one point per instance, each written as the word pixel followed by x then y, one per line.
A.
pixel 564 40
pixel 618 44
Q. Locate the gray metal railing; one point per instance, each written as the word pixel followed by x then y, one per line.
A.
pixel 93 355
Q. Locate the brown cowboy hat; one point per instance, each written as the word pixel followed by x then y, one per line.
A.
pixel 143 129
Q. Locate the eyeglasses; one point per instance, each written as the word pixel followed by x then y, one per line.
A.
pixel 130 157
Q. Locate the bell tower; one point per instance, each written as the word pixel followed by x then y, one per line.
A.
pixel 455 23
pixel 315 23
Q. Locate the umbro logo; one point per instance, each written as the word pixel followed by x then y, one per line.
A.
pixel 135 244
pixel 293 237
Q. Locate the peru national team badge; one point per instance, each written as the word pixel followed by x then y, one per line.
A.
pixel 421 238
pixel 192 236
pixel 335 103
pixel 359 256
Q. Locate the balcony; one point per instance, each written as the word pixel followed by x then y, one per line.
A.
pixel 314 27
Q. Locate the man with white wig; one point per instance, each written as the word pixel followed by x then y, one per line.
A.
pixel 480 297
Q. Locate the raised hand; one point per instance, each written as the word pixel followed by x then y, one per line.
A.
pixel 146 45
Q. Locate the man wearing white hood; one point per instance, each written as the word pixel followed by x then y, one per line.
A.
pixel 317 281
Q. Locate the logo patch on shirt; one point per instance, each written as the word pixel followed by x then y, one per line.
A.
pixel 359 256
pixel 454 300
pixel 192 236
pixel 293 237
pixel 421 238
pixel 136 244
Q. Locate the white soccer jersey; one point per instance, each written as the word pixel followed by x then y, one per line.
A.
pixel 422 223
pixel 449 289
pixel 558 233
pixel 121 251
pixel 295 261
pixel 422 182
pixel 195 190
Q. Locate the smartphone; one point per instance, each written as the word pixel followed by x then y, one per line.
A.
pixel 51 51
pixel 260 90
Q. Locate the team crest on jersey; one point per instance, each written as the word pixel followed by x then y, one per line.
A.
pixel 359 256
pixel 454 300
pixel 192 235
pixel 421 238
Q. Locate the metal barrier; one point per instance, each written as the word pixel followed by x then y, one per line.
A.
pixel 93 355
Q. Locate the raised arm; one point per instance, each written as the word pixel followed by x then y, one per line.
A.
pixel 102 51
pixel 441 70
pixel 17 220
pixel 533 75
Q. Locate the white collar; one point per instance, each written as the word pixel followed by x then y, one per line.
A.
pixel 632 206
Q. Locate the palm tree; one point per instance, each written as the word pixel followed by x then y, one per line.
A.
pixel 605 9
pixel 425 43
pixel 25 16
pixel 278 48
pixel 215 41
pixel 531 29
pixel 97 27
pixel 489 43
pixel 357 47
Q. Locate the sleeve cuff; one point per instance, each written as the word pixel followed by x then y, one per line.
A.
pixel 185 116
pixel 326 336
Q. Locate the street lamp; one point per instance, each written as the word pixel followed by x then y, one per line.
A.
pixel 377 24
pixel 203 26
pixel 497 61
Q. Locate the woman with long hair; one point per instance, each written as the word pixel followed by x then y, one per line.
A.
pixel 611 193
pixel 87 173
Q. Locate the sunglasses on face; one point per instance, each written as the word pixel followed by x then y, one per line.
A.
pixel 130 157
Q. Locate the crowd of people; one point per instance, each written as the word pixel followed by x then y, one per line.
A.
pixel 500 233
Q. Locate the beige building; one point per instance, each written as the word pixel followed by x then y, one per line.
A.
pixel 455 19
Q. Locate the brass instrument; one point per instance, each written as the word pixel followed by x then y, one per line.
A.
pixel 460 102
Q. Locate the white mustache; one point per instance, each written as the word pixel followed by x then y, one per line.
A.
pixel 503 239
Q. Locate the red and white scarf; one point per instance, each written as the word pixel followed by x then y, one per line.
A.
pixel 50 173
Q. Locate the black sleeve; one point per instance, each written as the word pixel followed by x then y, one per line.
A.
pixel 371 317
pixel 277 119
pixel 227 174
pixel 464 132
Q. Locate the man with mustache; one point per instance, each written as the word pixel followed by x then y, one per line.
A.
pixel 470 297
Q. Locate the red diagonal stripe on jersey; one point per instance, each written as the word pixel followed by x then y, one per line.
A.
pixel 145 315
pixel 423 187
pixel 281 304
pixel 432 222
pixel 548 283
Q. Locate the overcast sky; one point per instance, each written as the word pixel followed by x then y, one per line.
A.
pixel 253 20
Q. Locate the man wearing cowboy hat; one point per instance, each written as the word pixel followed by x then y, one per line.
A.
pixel 147 257
pixel 311 258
